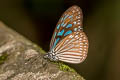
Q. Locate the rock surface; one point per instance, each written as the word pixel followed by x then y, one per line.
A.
pixel 20 59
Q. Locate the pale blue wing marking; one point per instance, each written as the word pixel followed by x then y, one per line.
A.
pixel 56 41
pixel 69 25
pixel 71 16
pixel 68 32
pixel 60 33
pixel 66 23
pixel 58 26
pixel 62 24
pixel 65 17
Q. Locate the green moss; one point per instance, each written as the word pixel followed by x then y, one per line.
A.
pixel 3 58
pixel 64 67
pixel 41 50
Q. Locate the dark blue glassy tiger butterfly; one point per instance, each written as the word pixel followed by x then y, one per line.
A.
pixel 69 43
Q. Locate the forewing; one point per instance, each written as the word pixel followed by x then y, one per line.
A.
pixel 73 48
pixel 70 21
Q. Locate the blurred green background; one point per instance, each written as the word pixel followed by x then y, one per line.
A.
pixel 36 20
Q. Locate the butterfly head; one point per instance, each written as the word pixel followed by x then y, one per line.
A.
pixel 51 56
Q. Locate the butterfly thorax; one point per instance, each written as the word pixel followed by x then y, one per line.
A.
pixel 51 55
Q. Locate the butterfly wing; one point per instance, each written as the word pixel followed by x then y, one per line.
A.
pixel 73 48
pixel 70 21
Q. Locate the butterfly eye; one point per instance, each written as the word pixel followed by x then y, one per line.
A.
pixel 69 43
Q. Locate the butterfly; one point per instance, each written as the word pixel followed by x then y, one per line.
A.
pixel 69 43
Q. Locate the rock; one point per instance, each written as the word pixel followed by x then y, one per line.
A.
pixel 20 59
